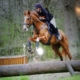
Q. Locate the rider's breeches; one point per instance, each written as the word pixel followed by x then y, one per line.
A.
pixel 54 27
pixel 53 22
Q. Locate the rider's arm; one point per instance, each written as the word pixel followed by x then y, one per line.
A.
pixel 46 16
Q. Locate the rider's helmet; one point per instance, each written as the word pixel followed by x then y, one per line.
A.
pixel 38 5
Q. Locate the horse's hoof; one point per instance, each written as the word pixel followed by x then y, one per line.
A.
pixel 30 51
pixel 72 59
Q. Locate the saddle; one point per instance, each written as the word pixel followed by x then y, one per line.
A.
pixel 51 29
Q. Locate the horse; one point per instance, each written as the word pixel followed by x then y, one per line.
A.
pixel 42 35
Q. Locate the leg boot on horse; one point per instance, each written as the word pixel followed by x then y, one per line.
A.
pixel 29 47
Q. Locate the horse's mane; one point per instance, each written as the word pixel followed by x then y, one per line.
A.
pixel 31 12
pixel 35 13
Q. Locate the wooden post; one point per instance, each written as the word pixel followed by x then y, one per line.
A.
pixel 24 46
pixel 70 69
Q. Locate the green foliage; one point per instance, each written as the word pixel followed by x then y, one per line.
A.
pixel 24 78
pixel 11 38
pixel 10 51
pixel 48 52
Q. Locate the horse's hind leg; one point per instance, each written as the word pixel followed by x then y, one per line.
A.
pixel 65 46
pixel 64 54
pixel 56 49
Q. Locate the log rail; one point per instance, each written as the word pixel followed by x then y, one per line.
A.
pixel 39 68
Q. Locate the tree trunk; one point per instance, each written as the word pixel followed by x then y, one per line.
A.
pixel 71 28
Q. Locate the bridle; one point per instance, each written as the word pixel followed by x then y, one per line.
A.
pixel 30 18
pixel 27 25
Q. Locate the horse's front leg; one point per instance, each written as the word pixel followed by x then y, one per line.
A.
pixel 34 39
pixel 38 40
pixel 31 39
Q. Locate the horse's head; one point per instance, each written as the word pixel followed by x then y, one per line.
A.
pixel 29 19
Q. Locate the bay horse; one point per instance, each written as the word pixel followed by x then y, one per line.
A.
pixel 41 34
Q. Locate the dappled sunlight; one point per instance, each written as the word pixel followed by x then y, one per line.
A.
pixel 77 10
pixel 40 51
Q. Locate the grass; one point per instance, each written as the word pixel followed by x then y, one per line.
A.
pixel 15 78
pixel 76 77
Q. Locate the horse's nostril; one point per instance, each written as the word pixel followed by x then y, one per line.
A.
pixel 25 29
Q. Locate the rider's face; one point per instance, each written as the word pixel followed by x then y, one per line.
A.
pixel 38 10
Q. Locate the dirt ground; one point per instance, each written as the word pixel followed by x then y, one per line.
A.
pixel 55 76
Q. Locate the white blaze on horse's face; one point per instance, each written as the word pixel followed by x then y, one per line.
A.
pixel 25 26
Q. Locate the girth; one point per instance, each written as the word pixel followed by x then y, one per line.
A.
pixel 48 43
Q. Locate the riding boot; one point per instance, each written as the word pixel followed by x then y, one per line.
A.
pixel 57 34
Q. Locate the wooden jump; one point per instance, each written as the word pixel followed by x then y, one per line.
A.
pixel 11 60
pixel 39 68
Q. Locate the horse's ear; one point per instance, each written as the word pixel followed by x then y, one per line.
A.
pixel 25 12
pixel 28 12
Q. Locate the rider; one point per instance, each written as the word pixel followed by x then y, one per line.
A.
pixel 48 18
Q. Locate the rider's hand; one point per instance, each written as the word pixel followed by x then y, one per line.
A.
pixel 41 18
